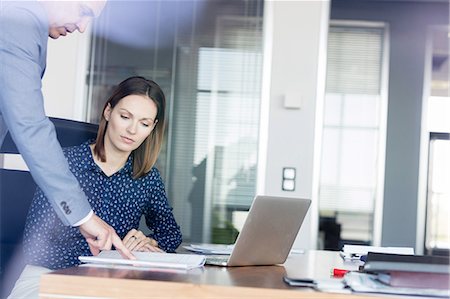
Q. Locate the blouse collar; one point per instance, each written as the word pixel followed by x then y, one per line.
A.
pixel 89 163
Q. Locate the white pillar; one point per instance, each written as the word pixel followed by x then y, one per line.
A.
pixel 295 38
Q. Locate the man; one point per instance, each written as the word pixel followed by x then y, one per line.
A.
pixel 24 27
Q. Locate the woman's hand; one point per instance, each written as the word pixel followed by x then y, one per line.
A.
pixel 135 240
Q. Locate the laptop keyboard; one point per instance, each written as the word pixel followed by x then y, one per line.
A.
pixel 216 259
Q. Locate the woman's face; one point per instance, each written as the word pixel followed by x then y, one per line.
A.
pixel 129 123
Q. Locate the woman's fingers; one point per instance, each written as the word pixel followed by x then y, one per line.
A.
pixel 140 245
pixel 140 235
pixel 137 241
pixel 146 241
pixel 130 234
pixel 153 242
pixel 131 239
pixel 134 241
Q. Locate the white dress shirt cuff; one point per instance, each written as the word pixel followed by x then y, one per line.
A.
pixel 85 219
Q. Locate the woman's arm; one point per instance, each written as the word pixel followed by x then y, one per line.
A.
pixel 135 240
pixel 159 216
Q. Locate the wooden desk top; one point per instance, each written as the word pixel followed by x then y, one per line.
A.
pixel 207 282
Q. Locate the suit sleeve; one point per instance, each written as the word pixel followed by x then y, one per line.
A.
pixel 22 109
pixel 47 242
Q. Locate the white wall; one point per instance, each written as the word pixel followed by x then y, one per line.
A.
pixel 295 34
pixel 63 84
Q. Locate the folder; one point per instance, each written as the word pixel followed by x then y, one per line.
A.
pixel 410 271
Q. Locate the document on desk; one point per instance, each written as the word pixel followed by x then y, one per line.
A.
pixel 354 252
pixel 148 260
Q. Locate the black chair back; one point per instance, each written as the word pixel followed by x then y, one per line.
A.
pixel 17 188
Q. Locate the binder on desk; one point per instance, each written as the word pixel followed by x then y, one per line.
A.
pixel 411 271
pixel 382 262
pixel 402 274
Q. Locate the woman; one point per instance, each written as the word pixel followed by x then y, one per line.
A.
pixel 118 175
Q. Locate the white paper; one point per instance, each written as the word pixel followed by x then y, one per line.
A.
pixel 193 271
pixel 148 259
pixel 361 249
pixel 353 253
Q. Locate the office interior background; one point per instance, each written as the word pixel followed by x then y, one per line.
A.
pixel 345 102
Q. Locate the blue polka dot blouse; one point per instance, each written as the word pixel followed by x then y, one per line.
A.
pixel 119 200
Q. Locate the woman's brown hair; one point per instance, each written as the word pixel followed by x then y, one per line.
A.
pixel 144 157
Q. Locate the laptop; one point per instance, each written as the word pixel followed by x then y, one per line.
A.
pixel 268 233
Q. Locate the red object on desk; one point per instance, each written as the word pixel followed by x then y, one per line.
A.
pixel 339 272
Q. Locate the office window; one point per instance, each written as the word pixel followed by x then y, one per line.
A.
pixel 437 236
pixel 207 57
pixel 353 129
pixel 438 206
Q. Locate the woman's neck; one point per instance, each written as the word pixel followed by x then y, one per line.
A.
pixel 114 160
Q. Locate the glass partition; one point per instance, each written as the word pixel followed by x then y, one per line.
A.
pixel 207 57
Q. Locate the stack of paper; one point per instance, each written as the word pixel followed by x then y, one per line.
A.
pixel 355 252
pixel 148 260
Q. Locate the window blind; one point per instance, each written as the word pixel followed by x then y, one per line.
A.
pixel 354 60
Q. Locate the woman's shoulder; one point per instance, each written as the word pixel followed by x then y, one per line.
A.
pixel 78 153
pixel 151 179
pixel 153 184
pixel 153 174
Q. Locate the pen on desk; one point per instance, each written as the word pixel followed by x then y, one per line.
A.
pixel 338 272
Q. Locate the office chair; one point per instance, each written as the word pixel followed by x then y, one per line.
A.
pixel 17 188
pixel 331 231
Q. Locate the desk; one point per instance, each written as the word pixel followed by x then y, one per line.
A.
pixel 208 282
